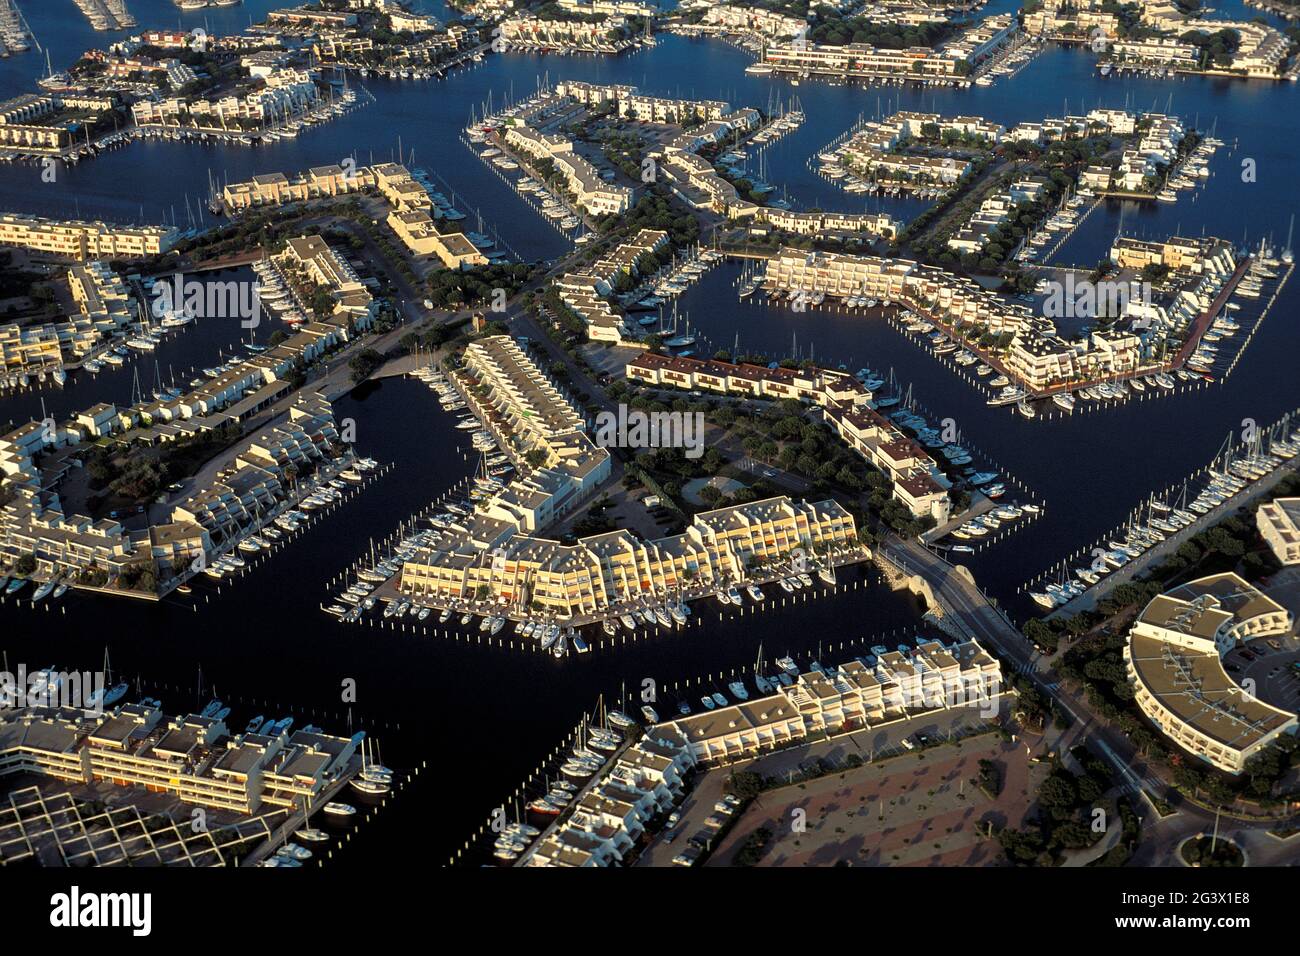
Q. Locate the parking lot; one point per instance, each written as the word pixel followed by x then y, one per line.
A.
pixel 873 745
pixel 1272 664
pixel 921 809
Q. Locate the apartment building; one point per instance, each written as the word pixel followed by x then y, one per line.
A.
pixel 36 123
pixel 754 20
pixel 1173 659
pixel 314 258
pixel 34 523
pixel 646 109
pixel 1041 361
pixel 880 224
pixel 624 8
pixel 858 694
pixel 1080 22
pixel 80 240
pixel 274 189
pixel 1177 253
pixel 28 348
pixel 590 191
pixel 258 476
pixel 942 296
pixel 586 290
pixel 525 396
pixel 1278 522
pixel 918 482
pixel 1157 50
pixel 194 758
pixel 527 30
pixel 420 233
pixel 599 572
pixel 953 59
pixel 645 781
pixel 694 180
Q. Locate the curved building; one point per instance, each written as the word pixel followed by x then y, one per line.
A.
pixel 1174 664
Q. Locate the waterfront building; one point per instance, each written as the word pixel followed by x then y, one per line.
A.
pixel 320 182
pixel 1178 253
pixel 857 695
pixel 286 93
pixel 419 232
pixel 1041 361
pixel 262 470
pixel 694 180
pixel 755 20
pixel 646 780
pixel 625 8
pixel 312 16
pixel 519 574
pixel 47 124
pixel 80 240
pixel 880 224
pixel 1164 51
pixel 1279 525
pixel 918 482
pixel 589 189
pixel 632 105
pixel 313 257
pixel 581 178
pixel 1173 659
pixel 950 61
pixel 527 399
pixel 942 296
pixel 526 31
pixel 34 523
pixel 649 777
pixel 1035 354
pixel 193 758
pixel 878 148
pixel 103 298
pixel 586 291
pixel 28 349
pixel 1083 21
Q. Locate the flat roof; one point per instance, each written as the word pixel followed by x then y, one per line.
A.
pixel 1194 687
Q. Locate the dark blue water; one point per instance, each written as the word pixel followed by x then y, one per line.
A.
pixel 483 717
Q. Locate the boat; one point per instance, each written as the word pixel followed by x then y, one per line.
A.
pixel 369 787
pixel 342 810
pixel 755 593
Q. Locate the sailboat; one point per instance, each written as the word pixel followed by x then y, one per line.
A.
pixel 685 340
pixel 308 833
pixel 374 779
pixel 108 695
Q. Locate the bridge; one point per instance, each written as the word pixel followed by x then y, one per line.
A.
pixel 961 605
